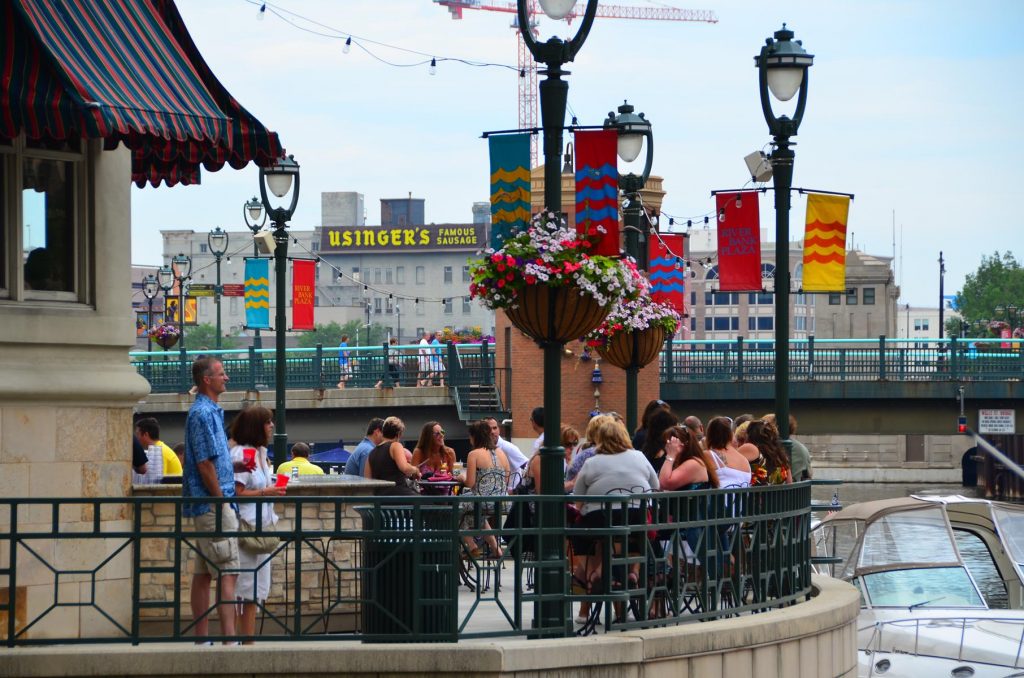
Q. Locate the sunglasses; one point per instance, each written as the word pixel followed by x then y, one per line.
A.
pixel 439 434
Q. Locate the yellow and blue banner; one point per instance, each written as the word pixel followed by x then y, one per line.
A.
pixel 257 294
pixel 510 186
pixel 825 243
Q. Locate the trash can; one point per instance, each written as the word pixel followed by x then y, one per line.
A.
pixel 409 577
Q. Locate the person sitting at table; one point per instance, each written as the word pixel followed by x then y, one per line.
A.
pixel 390 461
pixel 431 454
pixel 487 472
pixel 300 460
pixel 687 467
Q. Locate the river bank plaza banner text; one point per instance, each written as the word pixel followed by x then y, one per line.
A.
pixel 739 241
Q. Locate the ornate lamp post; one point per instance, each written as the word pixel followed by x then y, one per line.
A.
pixel 633 130
pixel 218 243
pixel 782 72
pixel 279 177
pixel 255 219
pixel 183 265
pixel 150 288
pixel 552 615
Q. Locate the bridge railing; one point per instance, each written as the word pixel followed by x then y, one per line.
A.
pixel 318 367
pixel 375 569
pixel 882 359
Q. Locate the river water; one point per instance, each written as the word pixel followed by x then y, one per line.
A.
pixel 972 549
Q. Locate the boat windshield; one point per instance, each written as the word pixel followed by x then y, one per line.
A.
pixel 1010 523
pixel 922 587
pixel 908 537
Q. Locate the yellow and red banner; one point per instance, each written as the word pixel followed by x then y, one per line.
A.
pixel 303 274
pixel 825 243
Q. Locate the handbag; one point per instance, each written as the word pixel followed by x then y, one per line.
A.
pixel 250 541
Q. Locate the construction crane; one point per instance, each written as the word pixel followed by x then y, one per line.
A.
pixel 527 67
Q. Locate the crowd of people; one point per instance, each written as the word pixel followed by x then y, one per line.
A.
pixel 429 370
pixel 666 452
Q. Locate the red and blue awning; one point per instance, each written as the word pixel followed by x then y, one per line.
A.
pixel 125 71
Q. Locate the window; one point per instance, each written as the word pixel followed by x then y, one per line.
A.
pixel 233 305
pixel 707 324
pixel 800 323
pixel 761 322
pixel 355 274
pixel 465 274
pixel 834 298
pixel 357 301
pixel 920 324
pixel 868 293
pixel 693 324
pixel 447 305
pixel 389 306
pixel 467 306
pixel 851 296
pixel 693 299
pixel 421 275
pixel 52 230
pixel 376 275
pixel 400 275
pixel 722 324
pixel 800 298
pixel 447 274
pixel 419 332
pixel 388 276
pixel 377 305
pixel 760 297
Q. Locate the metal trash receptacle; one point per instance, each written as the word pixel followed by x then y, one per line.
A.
pixel 409 577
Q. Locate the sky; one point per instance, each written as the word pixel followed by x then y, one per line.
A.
pixel 915 107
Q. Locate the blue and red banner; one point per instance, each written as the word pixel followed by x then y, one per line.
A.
pixel 739 242
pixel 510 186
pixel 667 270
pixel 597 189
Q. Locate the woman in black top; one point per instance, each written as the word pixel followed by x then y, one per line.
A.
pixel 391 461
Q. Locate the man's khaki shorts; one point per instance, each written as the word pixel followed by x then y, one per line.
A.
pixel 214 555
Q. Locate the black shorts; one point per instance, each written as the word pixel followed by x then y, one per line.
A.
pixel 586 545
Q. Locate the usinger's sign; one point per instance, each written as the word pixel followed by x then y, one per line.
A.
pixel 430 237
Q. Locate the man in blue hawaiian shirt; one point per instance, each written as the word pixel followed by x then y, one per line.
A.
pixel 208 472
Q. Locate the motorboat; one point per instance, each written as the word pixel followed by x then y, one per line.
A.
pixel 922 611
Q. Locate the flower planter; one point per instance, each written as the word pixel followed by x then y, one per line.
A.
pixel 555 314
pixel 634 349
pixel 166 341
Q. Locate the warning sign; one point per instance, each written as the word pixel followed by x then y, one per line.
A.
pixel 1000 422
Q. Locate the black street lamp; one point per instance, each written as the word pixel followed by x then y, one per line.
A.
pixel 255 218
pixel 150 288
pixel 551 615
pixel 367 322
pixel 165 278
pixel 942 293
pixel 279 177
pixel 218 243
pixel 182 271
pixel 1011 314
pixel 633 129
pixel 782 72
pixel 398 314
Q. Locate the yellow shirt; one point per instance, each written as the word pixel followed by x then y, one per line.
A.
pixel 305 466
pixel 172 465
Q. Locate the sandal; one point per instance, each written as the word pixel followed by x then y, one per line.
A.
pixel 475 553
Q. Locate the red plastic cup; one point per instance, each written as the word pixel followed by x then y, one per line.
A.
pixel 249 457
pixel 282 479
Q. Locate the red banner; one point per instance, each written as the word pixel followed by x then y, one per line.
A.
pixel 303 273
pixel 597 189
pixel 667 270
pixel 739 242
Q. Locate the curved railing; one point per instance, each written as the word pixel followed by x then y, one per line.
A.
pixel 372 569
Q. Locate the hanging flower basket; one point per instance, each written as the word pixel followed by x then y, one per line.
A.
pixel 633 349
pixel 549 284
pixel 555 314
pixel 165 335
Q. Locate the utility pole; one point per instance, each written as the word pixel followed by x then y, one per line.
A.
pixel 942 295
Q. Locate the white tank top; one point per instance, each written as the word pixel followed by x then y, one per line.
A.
pixel 728 476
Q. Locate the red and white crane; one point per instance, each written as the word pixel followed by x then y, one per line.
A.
pixel 527 67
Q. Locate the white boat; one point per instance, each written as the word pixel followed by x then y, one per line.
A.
pixel 922 612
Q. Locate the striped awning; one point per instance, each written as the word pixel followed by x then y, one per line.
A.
pixel 125 71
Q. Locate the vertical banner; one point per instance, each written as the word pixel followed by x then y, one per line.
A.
pixel 303 272
pixel 825 243
pixel 510 185
pixel 191 310
pixel 257 294
pixel 667 270
pixel 739 241
pixel 597 188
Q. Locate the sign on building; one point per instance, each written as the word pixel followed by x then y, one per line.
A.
pixel 382 239
pixel 1000 422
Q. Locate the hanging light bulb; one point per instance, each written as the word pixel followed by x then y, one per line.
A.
pixel 721 215
pixel 739 201
pixel 654 220
pixel 678 265
pixel 262 12
pixel 228 260
pixel 671 222
pixel 433 66
pixel 347 47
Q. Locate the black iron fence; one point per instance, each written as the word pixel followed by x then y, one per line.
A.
pixel 431 568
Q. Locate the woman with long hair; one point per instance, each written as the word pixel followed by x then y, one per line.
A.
pixel 390 461
pixel 687 466
pixel 431 454
pixel 732 467
pixel 654 444
pixel 772 456
pixel 640 434
pixel 487 472
pixel 252 429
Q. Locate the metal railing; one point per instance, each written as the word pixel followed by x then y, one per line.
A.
pixel 374 569
pixel 811 359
